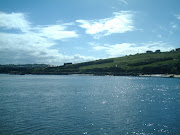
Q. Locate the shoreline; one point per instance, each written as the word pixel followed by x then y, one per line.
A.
pixel 108 74
pixel 161 75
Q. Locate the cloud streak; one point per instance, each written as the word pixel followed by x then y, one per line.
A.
pixel 55 32
pixel 121 22
pixel 132 48
pixel 125 2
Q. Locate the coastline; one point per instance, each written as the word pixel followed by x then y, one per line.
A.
pixel 161 75
pixel 107 74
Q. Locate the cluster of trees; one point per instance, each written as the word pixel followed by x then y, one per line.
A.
pixel 21 69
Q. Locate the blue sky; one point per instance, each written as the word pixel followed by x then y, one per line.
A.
pixel 59 31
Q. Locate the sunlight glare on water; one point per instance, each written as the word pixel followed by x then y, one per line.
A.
pixel 95 105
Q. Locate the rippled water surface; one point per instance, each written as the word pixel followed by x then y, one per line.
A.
pixel 94 105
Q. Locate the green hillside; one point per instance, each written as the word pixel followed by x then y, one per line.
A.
pixel 146 63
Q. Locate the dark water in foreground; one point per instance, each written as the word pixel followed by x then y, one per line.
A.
pixel 94 105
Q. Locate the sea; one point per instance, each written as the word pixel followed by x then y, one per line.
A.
pixel 92 105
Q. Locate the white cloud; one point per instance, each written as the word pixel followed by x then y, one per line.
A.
pixel 57 32
pixel 121 22
pixel 34 44
pixel 79 58
pixel 177 16
pixel 173 25
pixel 14 21
pixel 20 22
pixel 32 48
pixel 132 48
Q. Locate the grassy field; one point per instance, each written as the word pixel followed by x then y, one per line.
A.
pixel 145 63
pixel 163 62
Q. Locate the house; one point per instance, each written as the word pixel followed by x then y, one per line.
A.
pixel 67 63
pixel 177 49
pixel 157 51
pixel 149 51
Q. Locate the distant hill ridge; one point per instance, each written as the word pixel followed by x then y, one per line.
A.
pixel 145 63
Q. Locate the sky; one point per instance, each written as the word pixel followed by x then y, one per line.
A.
pixel 59 31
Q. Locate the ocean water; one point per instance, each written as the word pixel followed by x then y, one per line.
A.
pixel 93 105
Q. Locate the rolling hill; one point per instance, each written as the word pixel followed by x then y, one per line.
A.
pixel 145 63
